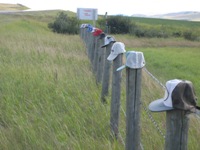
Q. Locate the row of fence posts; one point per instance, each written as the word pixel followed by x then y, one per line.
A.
pixel 177 122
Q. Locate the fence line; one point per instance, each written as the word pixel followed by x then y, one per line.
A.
pixel 133 85
pixel 151 75
pixel 116 95
pixel 119 134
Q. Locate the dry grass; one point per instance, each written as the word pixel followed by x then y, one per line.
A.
pixel 131 41
pixel 49 97
pixel 12 7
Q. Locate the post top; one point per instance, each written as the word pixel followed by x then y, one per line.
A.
pixel 179 94
pixel 134 60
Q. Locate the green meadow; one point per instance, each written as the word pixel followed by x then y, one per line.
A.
pixel 48 94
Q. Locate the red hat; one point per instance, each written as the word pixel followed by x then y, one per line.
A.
pixel 97 32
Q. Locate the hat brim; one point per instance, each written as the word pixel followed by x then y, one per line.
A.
pixel 158 106
pixel 102 35
pixel 120 68
pixel 111 57
pixel 104 45
pixel 108 44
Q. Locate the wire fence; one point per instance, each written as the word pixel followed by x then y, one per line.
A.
pixel 147 116
pixel 152 89
pixel 148 91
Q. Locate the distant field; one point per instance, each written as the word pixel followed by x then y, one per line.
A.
pixel 12 7
pixel 167 22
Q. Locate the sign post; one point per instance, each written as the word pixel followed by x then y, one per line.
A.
pixel 87 14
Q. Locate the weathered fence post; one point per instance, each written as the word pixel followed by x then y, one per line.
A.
pixel 97 32
pixel 134 62
pixel 116 56
pixel 133 90
pixel 90 42
pixel 82 27
pixel 106 75
pixel 116 94
pixel 84 35
pixel 91 47
pixel 178 102
pixel 106 72
pixel 100 59
pixel 177 125
pixel 87 39
pixel 97 44
pixel 81 31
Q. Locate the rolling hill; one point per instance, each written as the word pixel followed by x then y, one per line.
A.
pixel 185 15
pixel 12 7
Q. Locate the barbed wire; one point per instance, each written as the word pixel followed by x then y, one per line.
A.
pixel 153 121
pixel 120 138
pixel 149 114
pixel 151 75
pixel 145 107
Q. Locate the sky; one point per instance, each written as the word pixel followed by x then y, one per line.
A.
pixel 113 7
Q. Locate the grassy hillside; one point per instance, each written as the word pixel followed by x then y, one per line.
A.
pixel 48 95
pixel 167 22
pixel 12 7
pixel 152 27
pixel 166 58
pixel 43 104
pixel 185 15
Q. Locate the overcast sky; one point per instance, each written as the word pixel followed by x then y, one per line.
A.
pixel 112 7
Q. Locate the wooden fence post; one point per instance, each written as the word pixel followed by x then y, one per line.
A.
pixel 134 63
pixel 133 102
pixel 106 74
pixel 95 60
pixel 177 124
pixel 100 61
pixel 91 47
pixel 116 92
pixel 86 40
pixel 81 32
pixel 178 102
pixel 83 35
pixel 89 43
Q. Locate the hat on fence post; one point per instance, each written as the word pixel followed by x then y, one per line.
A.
pixel 96 32
pixel 102 35
pixel 116 49
pixel 90 28
pixel 107 40
pixel 134 60
pixel 179 94
pixel 83 25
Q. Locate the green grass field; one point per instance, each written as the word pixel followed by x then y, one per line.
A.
pixel 49 97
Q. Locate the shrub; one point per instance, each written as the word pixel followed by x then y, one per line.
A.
pixel 64 24
pixel 177 34
pixel 147 32
pixel 119 24
pixel 137 31
pixel 190 36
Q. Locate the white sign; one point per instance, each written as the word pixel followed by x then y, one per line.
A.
pixel 87 14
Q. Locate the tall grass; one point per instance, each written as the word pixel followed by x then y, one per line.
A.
pixel 48 95
pixel 49 99
pixel 166 59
